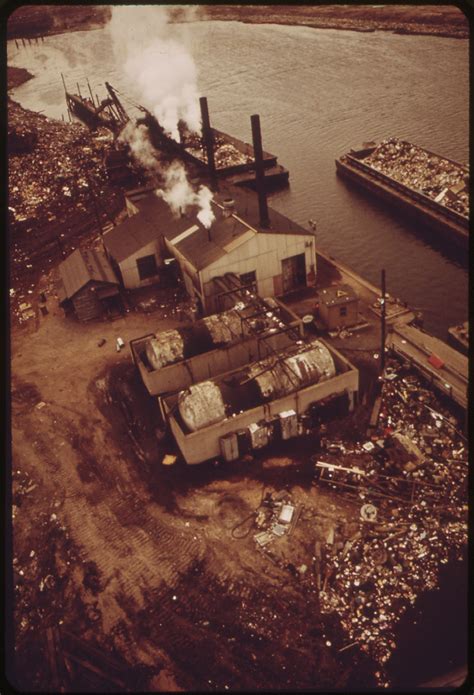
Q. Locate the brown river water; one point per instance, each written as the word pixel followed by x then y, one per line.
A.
pixel 318 92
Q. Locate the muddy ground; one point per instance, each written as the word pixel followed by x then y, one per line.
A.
pixel 154 565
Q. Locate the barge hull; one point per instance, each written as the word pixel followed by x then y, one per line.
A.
pixel 447 228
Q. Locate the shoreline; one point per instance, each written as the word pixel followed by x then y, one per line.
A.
pixel 444 21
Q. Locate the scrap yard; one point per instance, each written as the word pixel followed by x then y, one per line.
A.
pixel 235 463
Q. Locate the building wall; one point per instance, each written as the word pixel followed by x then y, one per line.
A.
pixel 210 364
pixel 129 269
pixel 204 444
pixel 86 304
pixel 332 318
pixel 264 254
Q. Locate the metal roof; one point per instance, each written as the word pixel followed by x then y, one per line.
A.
pixel 337 294
pixel 83 266
pixel 129 237
pixel 204 246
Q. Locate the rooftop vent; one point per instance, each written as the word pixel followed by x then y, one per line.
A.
pixel 228 206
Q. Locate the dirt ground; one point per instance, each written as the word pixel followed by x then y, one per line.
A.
pixel 139 559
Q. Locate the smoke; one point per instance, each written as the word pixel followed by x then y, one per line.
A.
pixel 179 194
pixel 153 54
pixel 159 65
pixel 136 136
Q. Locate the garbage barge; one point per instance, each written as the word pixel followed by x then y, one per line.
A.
pixel 233 159
pixel 432 189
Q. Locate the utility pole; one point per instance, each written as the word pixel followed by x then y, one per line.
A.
pixel 383 315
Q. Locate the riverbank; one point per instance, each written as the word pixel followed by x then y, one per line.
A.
pixel 17 77
pixel 441 20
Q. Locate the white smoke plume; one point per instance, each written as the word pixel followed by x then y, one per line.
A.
pixel 158 63
pixel 136 136
pixel 179 195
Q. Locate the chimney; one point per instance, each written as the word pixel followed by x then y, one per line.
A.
pixel 228 207
pixel 208 138
pixel 259 172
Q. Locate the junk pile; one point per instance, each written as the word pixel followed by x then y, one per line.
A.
pixel 54 170
pixel 410 479
pixel 440 179
pixel 275 518
pixel 225 153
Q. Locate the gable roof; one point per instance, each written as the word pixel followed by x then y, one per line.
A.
pixel 129 237
pixel 201 246
pixel 81 267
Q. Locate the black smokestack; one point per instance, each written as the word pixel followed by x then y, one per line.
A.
pixel 259 171
pixel 208 138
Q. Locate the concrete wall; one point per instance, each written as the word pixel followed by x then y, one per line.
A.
pixel 206 366
pixel 263 253
pixel 200 446
pixel 129 268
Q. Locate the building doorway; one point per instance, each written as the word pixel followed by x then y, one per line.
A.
pixel 293 272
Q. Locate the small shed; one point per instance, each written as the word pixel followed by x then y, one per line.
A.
pixel 338 306
pixel 89 284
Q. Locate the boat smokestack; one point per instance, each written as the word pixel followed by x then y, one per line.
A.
pixel 259 171
pixel 208 138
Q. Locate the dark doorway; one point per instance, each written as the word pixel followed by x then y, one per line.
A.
pixel 293 272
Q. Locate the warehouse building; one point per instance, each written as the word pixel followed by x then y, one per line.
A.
pixel 248 408
pixel 276 257
pixel 89 285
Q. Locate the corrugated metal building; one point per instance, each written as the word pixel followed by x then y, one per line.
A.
pixel 89 284
pixel 277 259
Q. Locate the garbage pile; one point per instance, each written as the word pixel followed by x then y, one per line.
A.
pixel 440 179
pixel 411 482
pixel 225 154
pixel 52 177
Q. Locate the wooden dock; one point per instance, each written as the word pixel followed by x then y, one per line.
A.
pixel 444 367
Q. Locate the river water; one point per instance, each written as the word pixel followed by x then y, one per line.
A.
pixel 318 92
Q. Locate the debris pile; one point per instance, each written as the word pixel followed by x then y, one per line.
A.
pixel 54 174
pixel 411 482
pixel 440 179
pixel 225 153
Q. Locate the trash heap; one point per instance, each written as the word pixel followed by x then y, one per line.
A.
pixel 225 154
pixel 440 179
pixel 410 479
pixel 52 177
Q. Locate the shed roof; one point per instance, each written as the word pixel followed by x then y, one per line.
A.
pixel 337 294
pixel 81 267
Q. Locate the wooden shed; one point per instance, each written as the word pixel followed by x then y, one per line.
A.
pixel 89 284
pixel 338 306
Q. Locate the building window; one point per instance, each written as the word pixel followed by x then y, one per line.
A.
pixel 146 267
pixel 343 311
pixel 249 279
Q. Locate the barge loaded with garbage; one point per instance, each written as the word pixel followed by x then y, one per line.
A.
pixel 431 188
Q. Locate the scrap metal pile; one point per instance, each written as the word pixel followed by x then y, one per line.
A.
pixel 52 177
pixel 411 482
pixel 442 180
pixel 225 154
